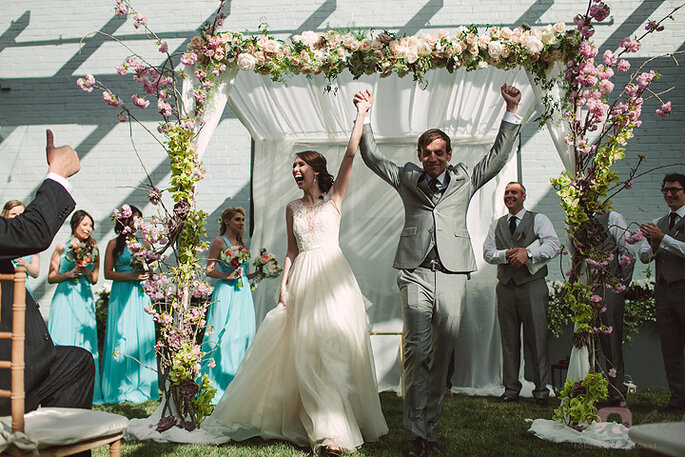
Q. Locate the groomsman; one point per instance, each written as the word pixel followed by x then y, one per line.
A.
pixel 54 375
pixel 435 257
pixel 616 228
pixel 520 243
pixel 665 242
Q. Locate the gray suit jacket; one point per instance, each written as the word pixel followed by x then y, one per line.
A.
pixel 447 217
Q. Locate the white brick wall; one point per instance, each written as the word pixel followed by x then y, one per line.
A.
pixel 40 61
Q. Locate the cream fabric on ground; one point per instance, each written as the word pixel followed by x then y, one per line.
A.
pixel 61 426
pixel 601 434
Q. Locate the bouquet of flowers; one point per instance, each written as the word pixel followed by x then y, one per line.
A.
pixel 82 254
pixel 266 266
pixel 234 257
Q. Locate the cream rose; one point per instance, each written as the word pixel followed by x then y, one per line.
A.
pixel 442 34
pixel 246 62
pixel 533 45
pixel 495 49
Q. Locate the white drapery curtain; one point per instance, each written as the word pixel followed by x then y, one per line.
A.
pixel 284 119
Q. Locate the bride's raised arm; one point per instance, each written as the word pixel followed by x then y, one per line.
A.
pixel 363 101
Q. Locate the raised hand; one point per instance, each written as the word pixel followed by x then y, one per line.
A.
pixel 512 97
pixel 62 160
pixel 363 100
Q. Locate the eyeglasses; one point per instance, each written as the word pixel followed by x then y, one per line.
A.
pixel 671 190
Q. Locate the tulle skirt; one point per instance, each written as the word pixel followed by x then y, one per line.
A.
pixel 308 376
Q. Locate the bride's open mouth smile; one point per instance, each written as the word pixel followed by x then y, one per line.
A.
pixel 299 179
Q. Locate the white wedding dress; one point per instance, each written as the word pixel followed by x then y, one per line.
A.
pixel 308 376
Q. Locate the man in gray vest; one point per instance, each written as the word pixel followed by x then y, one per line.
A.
pixel 665 242
pixel 434 257
pixel 519 243
pixel 620 268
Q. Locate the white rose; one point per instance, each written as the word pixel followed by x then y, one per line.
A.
pixel 424 49
pixel 412 56
pixel 533 45
pixel 310 37
pixel 246 62
pixel 549 35
pixel 559 27
pixel 495 49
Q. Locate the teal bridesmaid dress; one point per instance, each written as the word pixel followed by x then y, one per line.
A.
pixel 72 316
pixel 232 316
pixel 29 278
pixel 130 332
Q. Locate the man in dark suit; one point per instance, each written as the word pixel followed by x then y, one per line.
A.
pixel 54 375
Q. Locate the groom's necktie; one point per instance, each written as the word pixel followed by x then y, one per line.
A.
pixel 512 224
pixel 671 220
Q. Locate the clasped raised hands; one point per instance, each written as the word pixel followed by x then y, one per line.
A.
pixel 363 100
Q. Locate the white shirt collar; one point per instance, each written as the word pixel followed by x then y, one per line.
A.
pixel 680 211
pixel 518 215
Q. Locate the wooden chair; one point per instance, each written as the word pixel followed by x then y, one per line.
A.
pixel 46 429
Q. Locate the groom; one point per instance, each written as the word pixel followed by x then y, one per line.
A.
pixel 434 257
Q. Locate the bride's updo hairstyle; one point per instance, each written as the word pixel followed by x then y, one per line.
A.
pixel 318 164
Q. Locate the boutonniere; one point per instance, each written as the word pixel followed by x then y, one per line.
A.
pixel 451 168
pixel 520 237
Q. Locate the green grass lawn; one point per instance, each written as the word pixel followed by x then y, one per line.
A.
pixel 471 426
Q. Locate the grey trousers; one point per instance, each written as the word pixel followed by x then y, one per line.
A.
pixel 612 344
pixel 431 310
pixel 524 305
pixel 669 300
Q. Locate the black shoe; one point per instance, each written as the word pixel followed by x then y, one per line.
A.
pixel 434 448
pixel 419 448
pixel 509 398
pixel 542 401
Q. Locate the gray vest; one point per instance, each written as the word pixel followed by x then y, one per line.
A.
pixel 670 267
pixel 609 245
pixel 521 238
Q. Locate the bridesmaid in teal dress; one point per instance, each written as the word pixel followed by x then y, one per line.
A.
pixel 231 314
pixel 12 209
pixel 72 310
pixel 130 332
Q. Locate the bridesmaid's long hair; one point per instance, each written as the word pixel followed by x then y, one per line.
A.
pixel 76 220
pixel 318 164
pixel 119 226
pixel 9 205
pixel 228 215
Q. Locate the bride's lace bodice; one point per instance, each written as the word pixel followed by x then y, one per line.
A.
pixel 316 227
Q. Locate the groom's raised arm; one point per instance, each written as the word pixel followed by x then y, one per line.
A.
pixel 501 150
pixel 379 164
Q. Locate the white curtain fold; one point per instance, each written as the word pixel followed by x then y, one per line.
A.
pixel 214 107
pixel 557 127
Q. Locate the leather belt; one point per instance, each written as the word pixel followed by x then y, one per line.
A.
pixel 434 265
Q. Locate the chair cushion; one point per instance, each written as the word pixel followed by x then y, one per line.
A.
pixel 62 426
pixel 667 438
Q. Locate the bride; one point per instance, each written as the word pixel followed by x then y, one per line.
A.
pixel 309 375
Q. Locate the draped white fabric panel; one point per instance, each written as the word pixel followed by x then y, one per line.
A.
pixel 302 115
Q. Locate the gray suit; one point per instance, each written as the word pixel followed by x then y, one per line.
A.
pixel 522 302
pixel 432 300
pixel 669 301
